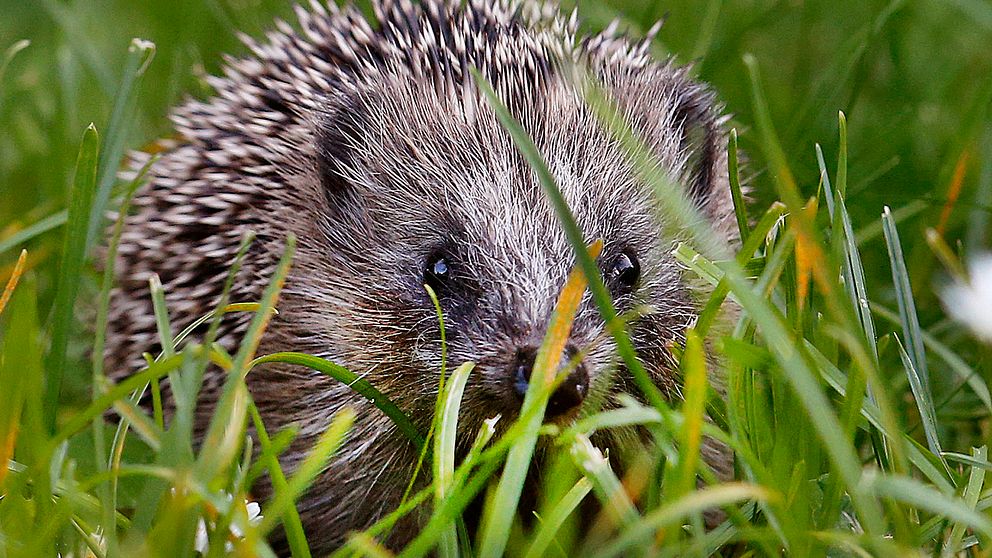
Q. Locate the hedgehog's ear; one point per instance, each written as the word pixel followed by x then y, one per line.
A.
pixel 698 122
pixel 337 138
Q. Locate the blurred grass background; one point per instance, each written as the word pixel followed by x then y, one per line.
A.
pixel 912 77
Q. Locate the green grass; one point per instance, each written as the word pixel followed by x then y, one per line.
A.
pixel 858 412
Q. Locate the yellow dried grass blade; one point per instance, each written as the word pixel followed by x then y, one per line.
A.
pixel 954 189
pixel 15 276
pixel 808 255
pixel 549 357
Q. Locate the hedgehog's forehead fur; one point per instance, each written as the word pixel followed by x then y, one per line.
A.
pixel 426 176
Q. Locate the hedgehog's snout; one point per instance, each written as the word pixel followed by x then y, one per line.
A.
pixel 569 393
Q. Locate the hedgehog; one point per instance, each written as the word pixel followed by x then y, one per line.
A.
pixel 369 140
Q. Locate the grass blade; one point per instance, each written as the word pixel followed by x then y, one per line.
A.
pixel 20 370
pixel 693 366
pixel 904 296
pixel 448 510
pixel 295 535
pixel 806 386
pixel 79 421
pixel 439 402
pixel 756 238
pixel 108 495
pixel 855 274
pixel 608 488
pixel 161 316
pixel 737 194
pixel 954 361
pixel 5 60
pixel 70 268
pixel 71 24
pixel 366 545
pixel 553 521
pixel 107 283
pixel 15 276
pixel 884 422
pixel 444 450
pixel 353 381
pixel 842 155
pixel 778 335
pixel 925 497
pixel 598 288
pixel 928 416
pixel 828 193
pixel 39 228
pixel 139 56
pixel 165 340
pixel 497 523
pixel 9 55
pixel 784 180
pixel 972 491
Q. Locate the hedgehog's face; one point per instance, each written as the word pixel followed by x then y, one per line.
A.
pixel 623 275
pixel 503 337
pixel 445 200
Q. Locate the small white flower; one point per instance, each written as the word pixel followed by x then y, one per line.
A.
pixel 489 425
pixel 971 303
pixel 588 457
pixel 254 517
pixel 202 542
pixel 254 512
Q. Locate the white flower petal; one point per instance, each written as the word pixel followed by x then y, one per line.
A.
pixel 971 304
pixel 201 543
pixel 254 511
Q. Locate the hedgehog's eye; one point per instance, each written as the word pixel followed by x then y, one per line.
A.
pixel 626 270
pixel 437 273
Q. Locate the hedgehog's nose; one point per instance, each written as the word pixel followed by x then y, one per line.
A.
pixel 570 392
